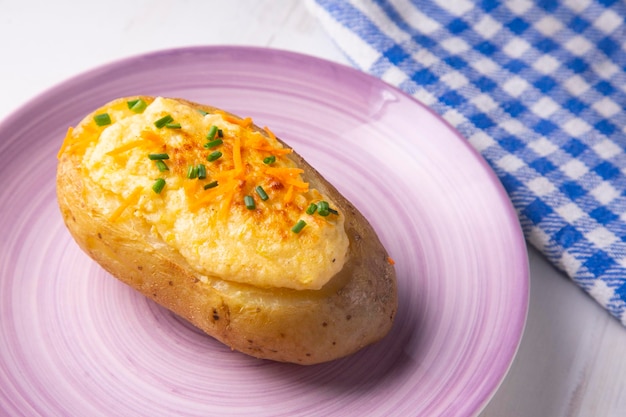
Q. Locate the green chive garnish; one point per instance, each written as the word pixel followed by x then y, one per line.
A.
pixel 102 119
pixel 323 208
pixel 163 121
pixel 249 202
pixel 201 171
pixel 333 211
pixel 158 185
pixel 214 156
pixel 297 228
pixel 192 172
pixel 212 132
pixel 173 125
pixel 261 192
pixel 269 160
pixel 158 156
pixel 210 185
pixel 202 112
pixel 213 143
pixel 311 209
pixel 161 165
pixel 137 106
pixel 220 133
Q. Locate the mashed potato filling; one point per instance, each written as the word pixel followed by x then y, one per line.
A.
pixel 231 199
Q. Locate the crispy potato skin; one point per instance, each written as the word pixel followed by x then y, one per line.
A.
pixel 356 308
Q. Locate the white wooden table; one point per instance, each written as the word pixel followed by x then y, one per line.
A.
pixel 571 361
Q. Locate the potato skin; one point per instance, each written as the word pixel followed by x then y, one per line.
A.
pixel 356 308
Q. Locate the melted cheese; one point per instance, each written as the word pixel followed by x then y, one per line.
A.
pixel 212 228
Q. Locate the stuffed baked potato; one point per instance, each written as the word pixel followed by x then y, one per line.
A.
pixel 219 221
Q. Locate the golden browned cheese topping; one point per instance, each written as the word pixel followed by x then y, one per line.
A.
pixel 227 197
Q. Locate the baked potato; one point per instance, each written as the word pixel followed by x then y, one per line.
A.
pixel 221 222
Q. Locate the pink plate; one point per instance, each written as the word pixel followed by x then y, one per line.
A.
pixel 76 342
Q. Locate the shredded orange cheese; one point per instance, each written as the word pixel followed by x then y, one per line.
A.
pixel 152 137
pixel 133 198
pixel 226 175
pixel 66 141
pixel 288 195
pixel 228 199
pixel 80 143
pixel 237 155
pixel 284 171
pixel 146 135
pixel 289 176
pixel 296 183
pixel 226 189
pixel 191 189
pixel 269 133
pixel 259 143
pixel 126 147
pixel 244 123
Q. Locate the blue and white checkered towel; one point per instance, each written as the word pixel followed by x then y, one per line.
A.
pixel 539 88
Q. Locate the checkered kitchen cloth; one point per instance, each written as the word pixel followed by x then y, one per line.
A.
pixel 539 88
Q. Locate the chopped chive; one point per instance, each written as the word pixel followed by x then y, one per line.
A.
pixel 323 208
pixel 158 185
pixel 311 209
pixel 297 228
pixel 269 160
pixel 214 156
pixel 161 165
pixel 333 211
pixel 102 119
pixel 192 172
pixel 210 185
pixel 173 125
pixel 163 121
pixel 213 143
pixel 137 106
pixel 249 202
pixel 261 192
pixel 201 171
pixel 202 112
pixel 212 132
pixel 158 156
pixel 220 133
